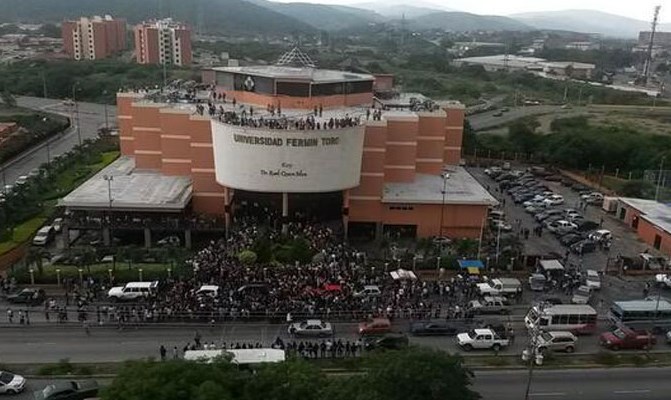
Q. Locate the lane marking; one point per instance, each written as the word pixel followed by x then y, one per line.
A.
pixel 637 391
pixel 555 394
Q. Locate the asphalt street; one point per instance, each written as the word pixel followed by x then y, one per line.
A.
pixel 488 119
pixel 591 384
pixel 91 118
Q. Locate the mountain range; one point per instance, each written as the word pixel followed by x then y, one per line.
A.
pixel 263 17
pixel 587 21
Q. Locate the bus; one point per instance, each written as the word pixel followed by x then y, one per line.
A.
pixel 575 318
pixel 650 314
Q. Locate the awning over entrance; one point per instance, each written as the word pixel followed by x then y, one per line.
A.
pixel 473 267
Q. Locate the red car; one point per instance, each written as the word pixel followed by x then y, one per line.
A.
pixel 626 338
pixel 375 326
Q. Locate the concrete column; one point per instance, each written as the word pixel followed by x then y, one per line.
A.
pixel 66 237
pixel 187 238
pixel 147 238
pixel 379 231
pixel 227 211
pixel 285 213
pixel 107 240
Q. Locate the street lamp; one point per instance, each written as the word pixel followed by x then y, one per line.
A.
pixel 109 179
pixel 105 108
pixel 75 86
pixel 445 176
pixel 531 353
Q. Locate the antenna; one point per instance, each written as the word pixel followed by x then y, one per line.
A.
pixel 648 60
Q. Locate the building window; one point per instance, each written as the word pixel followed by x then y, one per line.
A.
pixel 402 208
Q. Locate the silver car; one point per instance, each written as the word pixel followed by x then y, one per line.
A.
pixel 312 328
pixel 556 341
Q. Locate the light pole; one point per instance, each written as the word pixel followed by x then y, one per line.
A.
pixel 531 351
pixel 109 179
pixel 76 106
pixel 105 108
pixel 445 176
pixel 659 178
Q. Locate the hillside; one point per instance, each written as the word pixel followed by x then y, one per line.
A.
pixel 397 8
pixel 215 16
pixel 461 21
pixel 588 21
pixel 322 16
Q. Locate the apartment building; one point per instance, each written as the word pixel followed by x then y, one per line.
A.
pixel 163 42
pixel 93 38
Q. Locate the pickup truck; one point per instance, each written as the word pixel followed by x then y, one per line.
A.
pixel 626 338
pixel 500 286
pixel 481 339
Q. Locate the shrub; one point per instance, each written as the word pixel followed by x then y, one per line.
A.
pixel 247 257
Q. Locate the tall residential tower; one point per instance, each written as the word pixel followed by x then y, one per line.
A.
pixel 163 42
pixel 93 38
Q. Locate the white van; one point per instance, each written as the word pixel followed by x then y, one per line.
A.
pixel 133 291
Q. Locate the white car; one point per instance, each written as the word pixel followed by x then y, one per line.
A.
pixel 663 280
pixel 554 200
pixel 369 291
pixel 21 180
pixel 133 291
pixel 668 337
pixel 602 235
pixel 311 327
pixel 11 383
pixel 593 279
pixel 535 203
pixel 208 291
pixel 43 236
pixel 481 339
pixel 501 225
pixel 581 295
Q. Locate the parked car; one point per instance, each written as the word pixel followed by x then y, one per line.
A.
pixel 668 337
pixel 593 280
pixel 375 326
pixel 68 390
pixel 389 341
pixel 556 341
pixel 27 296
pixel 624 338
pixel 481 339
pixel 560 226
pixel 43 236
pixel 502 225
pixel 11 383
pixel 537 282
pixel 369 291
pixel 570 238
pixel 581 295
pixel 586 226
pixel 311 328
pixel 545 215
pixel 489 305
pixel 602 235
pixel 431 328
pixel 554 200
pixel 583 247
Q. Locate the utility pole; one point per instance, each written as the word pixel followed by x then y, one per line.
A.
pixel 76 105
pixel 445 177
pixel 648 60
pixel 659 178
pixel 44 85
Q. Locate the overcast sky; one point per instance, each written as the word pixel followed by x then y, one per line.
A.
pixel 639 9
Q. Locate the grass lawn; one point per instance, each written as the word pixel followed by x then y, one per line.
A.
pixel 613 183
pixel 121 272
pixel 22 233
pixel 65 182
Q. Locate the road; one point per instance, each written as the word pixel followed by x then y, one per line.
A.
pixel 487 120
pixel 91 117
pixel 592 384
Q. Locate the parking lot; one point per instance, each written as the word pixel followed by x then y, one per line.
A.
pixel 624 242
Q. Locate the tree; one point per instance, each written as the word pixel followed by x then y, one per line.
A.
pixel 637 188
pixel 8 99
pixel 247 257
pixel 414 374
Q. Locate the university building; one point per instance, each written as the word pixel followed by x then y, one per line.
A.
pixel 299 140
